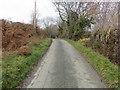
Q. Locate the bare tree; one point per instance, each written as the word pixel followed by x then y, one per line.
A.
pixel 70 13
pixel 107 16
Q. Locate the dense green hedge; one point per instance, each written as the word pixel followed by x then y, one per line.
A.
pixel 16 67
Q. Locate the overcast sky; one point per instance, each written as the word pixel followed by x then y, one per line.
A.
pixel 20 10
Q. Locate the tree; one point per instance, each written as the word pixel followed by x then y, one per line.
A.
pixel 70 14
pixel 50 25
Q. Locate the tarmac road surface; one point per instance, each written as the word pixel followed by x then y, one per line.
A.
pixel 64 67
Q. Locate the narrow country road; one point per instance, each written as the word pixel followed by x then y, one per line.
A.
pixel 64 67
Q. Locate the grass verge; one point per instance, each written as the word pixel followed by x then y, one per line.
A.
pixel 16 67
pixel 102 65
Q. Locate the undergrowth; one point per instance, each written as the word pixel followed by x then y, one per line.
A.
pixel 16 67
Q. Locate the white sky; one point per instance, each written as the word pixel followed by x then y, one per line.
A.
pixel 21 10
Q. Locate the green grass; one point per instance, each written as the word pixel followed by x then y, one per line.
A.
pixel 103 66
pixel 16 67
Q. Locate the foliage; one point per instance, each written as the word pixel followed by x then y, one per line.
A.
pixel 106 41
pixel 74 18
pixel 52 31
pixel 104 67
pixel 16 67
pixel 83 40
pixel 16 34
pixel 82 23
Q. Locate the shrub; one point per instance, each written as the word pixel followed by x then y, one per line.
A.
pixel 106 41
pixel 83 40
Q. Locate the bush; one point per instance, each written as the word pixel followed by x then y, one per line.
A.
pixel 106 41
pixel 83 40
